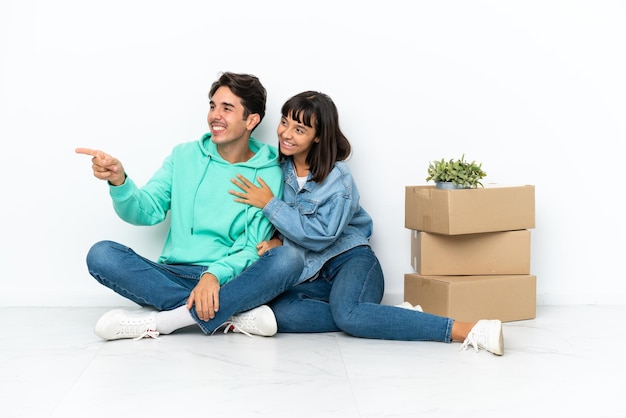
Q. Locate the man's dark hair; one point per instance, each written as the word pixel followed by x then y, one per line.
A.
pixel 248 88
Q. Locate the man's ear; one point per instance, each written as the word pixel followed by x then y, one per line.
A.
pixel 253 120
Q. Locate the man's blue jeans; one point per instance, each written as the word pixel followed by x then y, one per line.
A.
pixel 346 297
pixel 166 286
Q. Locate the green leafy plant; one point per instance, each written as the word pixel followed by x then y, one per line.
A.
pixel 460 172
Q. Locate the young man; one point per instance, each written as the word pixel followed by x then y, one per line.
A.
pixel 211 240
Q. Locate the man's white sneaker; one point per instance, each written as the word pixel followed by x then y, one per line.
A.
pixel 486 334
pixel 120 323
pixel 407 305
pixel 258 321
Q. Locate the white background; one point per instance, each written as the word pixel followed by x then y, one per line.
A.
pixel 535 90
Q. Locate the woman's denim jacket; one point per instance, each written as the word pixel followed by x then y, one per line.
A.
pixel 322 220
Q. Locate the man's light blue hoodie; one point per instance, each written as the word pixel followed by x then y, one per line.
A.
pixel 207 227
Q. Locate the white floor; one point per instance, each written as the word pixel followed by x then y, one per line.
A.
pixel 568 362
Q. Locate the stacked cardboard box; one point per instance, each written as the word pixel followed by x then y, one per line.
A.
pixel 470 250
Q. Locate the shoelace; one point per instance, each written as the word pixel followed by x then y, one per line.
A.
pixel 150 333
pixel 230 326
pixel 472 338
pixel 140 328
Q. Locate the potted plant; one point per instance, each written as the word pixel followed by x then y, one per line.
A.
pixel 455 174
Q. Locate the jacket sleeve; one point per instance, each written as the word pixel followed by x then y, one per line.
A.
pixel 316 224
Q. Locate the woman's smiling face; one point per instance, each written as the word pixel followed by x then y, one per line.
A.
pixel 295 138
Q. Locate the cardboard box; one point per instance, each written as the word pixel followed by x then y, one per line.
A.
pixel 468 211
pixel 506 252
pixel 470 298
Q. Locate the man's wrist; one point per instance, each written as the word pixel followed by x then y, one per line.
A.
pixel 116 185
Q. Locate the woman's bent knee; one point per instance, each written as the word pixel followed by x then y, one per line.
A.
pixel 287 259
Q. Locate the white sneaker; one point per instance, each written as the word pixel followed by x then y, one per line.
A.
pixel 486 334
pixel 407 305
pixel 258 321
pixel 120 323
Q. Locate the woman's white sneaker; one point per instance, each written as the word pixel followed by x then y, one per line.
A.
pixel 407 305
pixel 486 334
pixel 120 323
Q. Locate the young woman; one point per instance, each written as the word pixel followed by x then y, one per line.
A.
pixel 342 283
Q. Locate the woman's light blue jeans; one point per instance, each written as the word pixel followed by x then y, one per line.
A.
pixel 166 286
pixel 346 297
